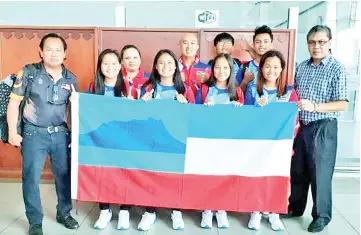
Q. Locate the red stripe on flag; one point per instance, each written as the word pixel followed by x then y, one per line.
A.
pixel 143 188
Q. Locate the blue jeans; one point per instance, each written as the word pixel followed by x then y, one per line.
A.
pixel 36 145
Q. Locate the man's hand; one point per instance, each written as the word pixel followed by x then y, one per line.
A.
pixel 306 105
pixel 72 94
pixel 15 139
pixel 202 77
pixel 245 44
pixel 248 77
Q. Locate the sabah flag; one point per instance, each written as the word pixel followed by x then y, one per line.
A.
pixel 162 153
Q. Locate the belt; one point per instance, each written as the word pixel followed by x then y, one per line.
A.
pixel 311 123
pixel 51 129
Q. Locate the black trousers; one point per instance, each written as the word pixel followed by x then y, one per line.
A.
pixel 106 206
pixel 313 163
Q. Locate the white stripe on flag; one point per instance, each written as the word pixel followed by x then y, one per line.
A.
pixel 251 158
pixel 74 144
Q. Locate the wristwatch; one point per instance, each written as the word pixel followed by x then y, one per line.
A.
pixel 315 108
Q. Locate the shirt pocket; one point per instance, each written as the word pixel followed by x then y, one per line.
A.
pixel 324 87
pixel 64 93
pixel 58 94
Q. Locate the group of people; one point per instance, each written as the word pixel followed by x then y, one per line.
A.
pixel 319 91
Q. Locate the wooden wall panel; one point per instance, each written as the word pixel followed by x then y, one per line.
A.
pixel 20 46
pixel 149 41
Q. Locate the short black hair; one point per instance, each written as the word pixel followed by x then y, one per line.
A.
pixel 52 35
pixel 261 30
pixel 223 36
pixel 320 28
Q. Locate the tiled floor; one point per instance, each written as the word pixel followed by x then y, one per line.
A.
pixel 346 216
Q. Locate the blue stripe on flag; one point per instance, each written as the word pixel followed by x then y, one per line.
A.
pixel 115 123
pixel 275 121
pixel 164 125
pixel 149 161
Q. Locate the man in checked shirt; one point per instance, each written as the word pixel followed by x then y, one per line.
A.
pixel 320 83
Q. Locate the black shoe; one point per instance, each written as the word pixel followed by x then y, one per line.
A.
pixel 317 225
pixel 36 229
pixel 68 221
pixel 291 214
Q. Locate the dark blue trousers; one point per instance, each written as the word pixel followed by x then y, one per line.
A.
pixel 313 164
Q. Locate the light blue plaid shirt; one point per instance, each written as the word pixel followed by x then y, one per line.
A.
pixel 322 83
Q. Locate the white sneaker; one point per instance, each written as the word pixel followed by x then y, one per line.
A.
pixel 105 217
pixel 178 223
pixel 254 222
pixel 207 217
pixel 123 220
pixel 276 222
pixel 147 221
pixel 222 220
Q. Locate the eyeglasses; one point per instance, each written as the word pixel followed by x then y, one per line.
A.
pixel 55 96
pixel 313 43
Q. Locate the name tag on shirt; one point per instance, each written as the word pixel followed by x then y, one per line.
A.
pixel 65 86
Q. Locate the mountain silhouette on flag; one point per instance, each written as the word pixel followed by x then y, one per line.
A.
pixel 134 135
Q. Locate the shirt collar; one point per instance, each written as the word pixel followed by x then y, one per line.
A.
pixel 64 73
pixel 140 73
pixel 196 60
pixel 254 64
pixel 323 62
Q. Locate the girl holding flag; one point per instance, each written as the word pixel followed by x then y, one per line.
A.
pixel 221 88
pixel 165 83
pixel 271 87
pixel 165 80
pixel 110 82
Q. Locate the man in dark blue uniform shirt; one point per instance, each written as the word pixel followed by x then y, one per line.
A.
pixel 45 130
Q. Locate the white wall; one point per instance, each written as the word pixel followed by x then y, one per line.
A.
pixel 53 13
